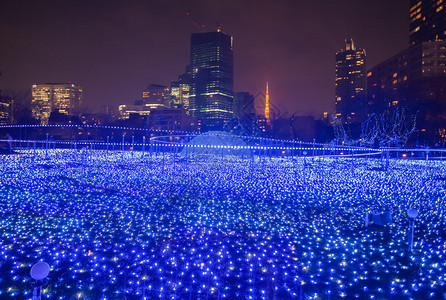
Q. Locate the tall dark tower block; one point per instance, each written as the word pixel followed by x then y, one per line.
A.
pixel 427 21
pixel 211 78
pixel 350 82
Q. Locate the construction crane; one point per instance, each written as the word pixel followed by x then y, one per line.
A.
pixel 200 27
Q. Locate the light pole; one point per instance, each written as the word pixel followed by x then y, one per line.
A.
pixel 46 147
pixel 39 271
pixel 314 141
pixel 412 213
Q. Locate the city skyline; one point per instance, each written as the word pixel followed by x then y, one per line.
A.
pixel 115 50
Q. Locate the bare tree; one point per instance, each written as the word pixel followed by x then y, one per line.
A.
pixel 370 130
pixel 340 133
pixel 392 127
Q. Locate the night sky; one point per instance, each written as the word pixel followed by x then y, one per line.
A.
pixel 114 49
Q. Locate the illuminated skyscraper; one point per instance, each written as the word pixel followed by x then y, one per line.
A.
pixel 427 21
pixel 179 92
pixel 350 81
pixel 210 74
pixel 5 109
pixel 66 98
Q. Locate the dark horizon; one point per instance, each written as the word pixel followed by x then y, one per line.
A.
pixel 114 50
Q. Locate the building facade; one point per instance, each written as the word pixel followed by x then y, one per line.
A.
pixel 179 93
pixel 210 75
pixel 395 80
pixel 154 97
pixel 66 98
pixel 427 21
pixel 156 94
pixel 6 105
pixel 174 119
pixel 127 110
pixel 350 82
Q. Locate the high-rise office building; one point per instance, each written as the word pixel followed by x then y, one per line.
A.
pixel 350 81
pixel 427 20
pixel 5 109
pixel 210 75
pixel 156 94
pixel 154 97
pixel 66 98
pixel 179 92
pixel 409 77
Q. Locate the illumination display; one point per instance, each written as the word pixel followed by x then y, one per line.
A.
pixel 157 226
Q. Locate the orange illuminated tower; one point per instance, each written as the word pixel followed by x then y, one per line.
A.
pixel 267 104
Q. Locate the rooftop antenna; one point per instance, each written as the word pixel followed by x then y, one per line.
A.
pixel 219 26
pixel 220 23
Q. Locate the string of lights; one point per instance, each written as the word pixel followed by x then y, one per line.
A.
pixel 114 224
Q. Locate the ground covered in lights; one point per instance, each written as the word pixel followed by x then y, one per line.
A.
pixel 133 226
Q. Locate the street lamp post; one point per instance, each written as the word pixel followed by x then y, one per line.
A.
pixel 412 213
pixel 39 271
pixel 46 146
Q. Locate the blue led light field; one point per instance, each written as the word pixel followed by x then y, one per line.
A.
pixel 123 224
